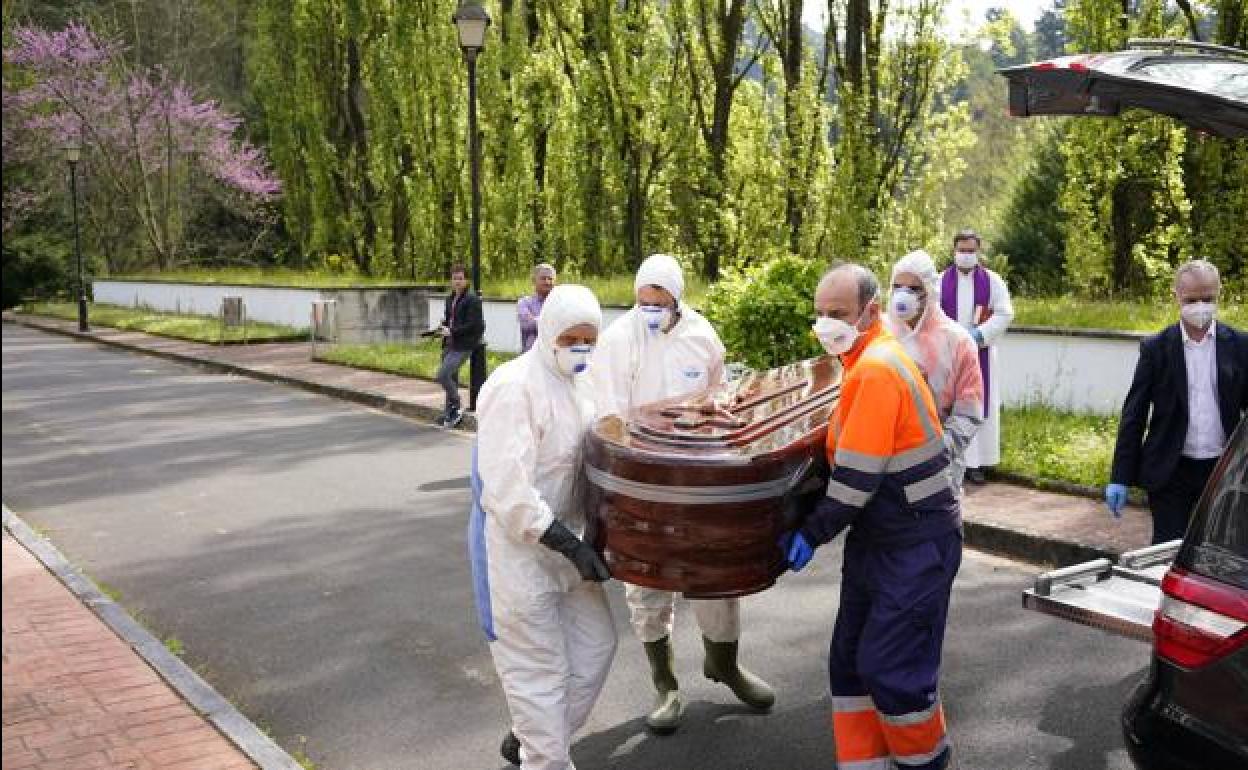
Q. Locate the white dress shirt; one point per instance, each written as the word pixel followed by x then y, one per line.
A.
pixel 1205 437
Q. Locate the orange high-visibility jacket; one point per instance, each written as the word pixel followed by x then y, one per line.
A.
pixel 890 466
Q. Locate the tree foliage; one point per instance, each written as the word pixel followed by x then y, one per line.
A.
pixel 719 129
pixel 1139 191
pixel 144 138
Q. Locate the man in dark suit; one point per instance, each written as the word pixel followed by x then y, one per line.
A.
pixel 463 326
pixel 1190 390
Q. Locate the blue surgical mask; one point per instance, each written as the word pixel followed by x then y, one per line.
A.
pixel 574 359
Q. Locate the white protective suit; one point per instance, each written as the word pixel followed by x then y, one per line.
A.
pixel 948 358
pixel 552 636
pixel 634 366
pixel 985 447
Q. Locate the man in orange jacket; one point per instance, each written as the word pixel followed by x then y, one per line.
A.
pixel 891 487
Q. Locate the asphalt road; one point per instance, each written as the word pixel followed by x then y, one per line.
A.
pixel 309 555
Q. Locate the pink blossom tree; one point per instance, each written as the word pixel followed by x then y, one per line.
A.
pixel 147 142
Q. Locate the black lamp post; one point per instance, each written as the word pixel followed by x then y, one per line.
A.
pixel 471 20
pixel 73 153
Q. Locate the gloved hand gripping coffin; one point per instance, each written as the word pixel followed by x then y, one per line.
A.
pixel 692 494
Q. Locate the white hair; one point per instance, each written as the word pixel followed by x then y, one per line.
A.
pixel 1196 266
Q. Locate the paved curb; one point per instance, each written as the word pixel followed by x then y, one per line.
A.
pixel 1033 549
pixel 373 400
pixel 198 694
pixel 1065 487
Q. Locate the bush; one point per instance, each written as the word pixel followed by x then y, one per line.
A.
pixel 36 265
pixel 1031 232
pixel 764 313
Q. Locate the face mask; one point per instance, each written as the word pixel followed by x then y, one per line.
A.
pixel 654 318
pixel 838 336
pixel 1198 314
pixel 905 304
pixel 573 360
pixel 966 259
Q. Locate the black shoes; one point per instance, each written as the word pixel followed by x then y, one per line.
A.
pixel 451 419
pixel 510 748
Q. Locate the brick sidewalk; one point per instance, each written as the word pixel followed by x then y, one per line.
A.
pixel 76 696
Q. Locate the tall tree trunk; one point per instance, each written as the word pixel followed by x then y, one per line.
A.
pixel 541 140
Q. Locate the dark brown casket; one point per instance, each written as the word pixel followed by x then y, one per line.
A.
pixel 691 494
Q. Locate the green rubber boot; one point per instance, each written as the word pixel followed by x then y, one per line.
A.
pixel 664 718
pixel 721 666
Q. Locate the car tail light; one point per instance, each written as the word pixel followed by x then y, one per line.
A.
pixel 1199 620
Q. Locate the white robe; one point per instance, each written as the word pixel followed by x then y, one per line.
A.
pixel 985 447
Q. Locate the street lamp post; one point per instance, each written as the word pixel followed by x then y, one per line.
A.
pixel 73 153
pixel 471 21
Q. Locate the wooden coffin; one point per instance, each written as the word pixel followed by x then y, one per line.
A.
pixel 689 494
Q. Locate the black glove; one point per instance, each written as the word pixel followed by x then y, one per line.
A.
pixel 559 538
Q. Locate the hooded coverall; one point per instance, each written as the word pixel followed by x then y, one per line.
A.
pixel 551 633
pixel 633 366
pixel 890 485
pixel 947 357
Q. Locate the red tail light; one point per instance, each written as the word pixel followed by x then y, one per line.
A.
pixel 1199 620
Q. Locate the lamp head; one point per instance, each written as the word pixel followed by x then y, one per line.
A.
pixel 471 19
pixel 73 152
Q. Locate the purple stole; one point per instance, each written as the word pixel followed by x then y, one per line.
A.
pixel 981 311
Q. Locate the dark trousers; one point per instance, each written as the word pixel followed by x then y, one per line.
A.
pixel 1172 504
pixel 884 663
pixel 448 375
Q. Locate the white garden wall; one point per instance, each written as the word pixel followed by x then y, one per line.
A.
pixel 290 307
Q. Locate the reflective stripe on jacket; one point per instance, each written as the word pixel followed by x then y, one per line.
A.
pixel 890 467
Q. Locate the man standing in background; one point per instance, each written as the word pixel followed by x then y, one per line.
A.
pixel 529 309
pixel 978 299
pixel 462 329
pixel 1190 390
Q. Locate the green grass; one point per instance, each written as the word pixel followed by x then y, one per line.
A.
pixel 110 591
pixel 418 360
pixel 1045 443
pixel 256 276
pixel 184 327
pixel 1122 315
pixel 174 645
pixel 610 290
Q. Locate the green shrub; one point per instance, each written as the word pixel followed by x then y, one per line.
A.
pixel 764 313
pixel 36 265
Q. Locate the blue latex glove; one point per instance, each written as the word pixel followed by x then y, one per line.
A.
pixel 1116 498
pixel 797 551
pixel 977 335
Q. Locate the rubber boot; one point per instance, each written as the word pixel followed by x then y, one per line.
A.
pixel 721 666
pixel 664 718
pixel 510 748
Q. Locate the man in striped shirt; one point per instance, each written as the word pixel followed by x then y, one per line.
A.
pixel 891 488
